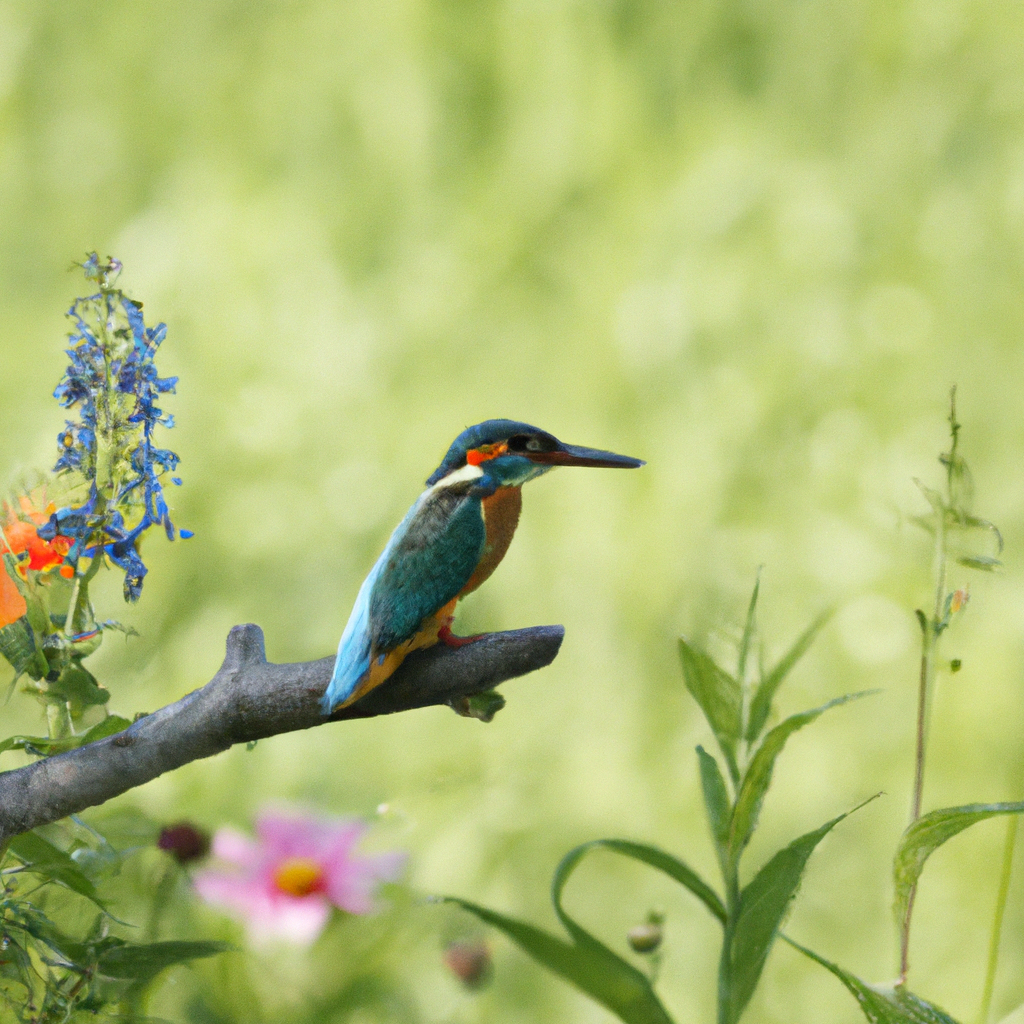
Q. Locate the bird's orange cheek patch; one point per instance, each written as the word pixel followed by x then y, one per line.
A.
pixel 487 451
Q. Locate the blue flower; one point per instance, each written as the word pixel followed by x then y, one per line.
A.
pixel 112 384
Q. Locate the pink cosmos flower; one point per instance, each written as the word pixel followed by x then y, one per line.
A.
pixel 284 883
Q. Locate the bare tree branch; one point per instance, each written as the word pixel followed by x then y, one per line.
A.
pixel 250 699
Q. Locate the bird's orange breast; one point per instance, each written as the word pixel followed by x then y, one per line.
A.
pixel 501 516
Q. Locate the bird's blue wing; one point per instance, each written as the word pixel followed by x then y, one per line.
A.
pixel 430 563
pixel 428 560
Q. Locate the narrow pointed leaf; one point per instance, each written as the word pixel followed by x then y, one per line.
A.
pixel 33 922
pixel 881 1004
pixel 932 496
pixel 591 967
pixel 144 962
pixel 716 801
pixel 926 835
pixel 983 562
pixel 718 695
pixel 761 705
pixel 983 524
pixel 649 855
pixel 45 746
pixel 763 904
pixel 758 775
pixel 748 631
pixel 44 859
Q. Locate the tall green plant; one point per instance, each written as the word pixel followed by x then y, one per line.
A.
pixel 734 785
pixel 954 528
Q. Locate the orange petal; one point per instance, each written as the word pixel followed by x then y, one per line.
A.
pixel 12 604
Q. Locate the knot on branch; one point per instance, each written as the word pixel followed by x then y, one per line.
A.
pixel 245 648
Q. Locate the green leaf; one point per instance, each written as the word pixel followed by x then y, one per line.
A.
pixel 145 961
pixel 44 746
pixel 763 905
pixel 18 646
pixel 716 801
pixel 933 497
pixel 758 775
pixel 927 834
pixel 974 522
pixel 481 706
pixel 719 697
pixel 982 562
pixel 42 858
pixel 649 855
pixel 761 705
pixel 33 922
pixel 748 631
pixel 590 966
pixel 79 687
pixel 882 1004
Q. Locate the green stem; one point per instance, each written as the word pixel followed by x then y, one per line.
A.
pixel 81 586
pixel 58 719
pixel 997 921
pixel 931 630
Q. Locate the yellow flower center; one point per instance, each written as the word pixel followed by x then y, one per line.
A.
pixel 299 876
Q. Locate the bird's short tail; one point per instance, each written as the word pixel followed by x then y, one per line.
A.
pixel 353 660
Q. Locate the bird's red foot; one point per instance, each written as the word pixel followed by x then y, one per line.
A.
pixel 447 637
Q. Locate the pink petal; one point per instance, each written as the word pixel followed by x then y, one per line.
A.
pixel 350 883
pixel 295 920
pixel 231 845
pixel 267 912
pixel 302 835
pixel 235 892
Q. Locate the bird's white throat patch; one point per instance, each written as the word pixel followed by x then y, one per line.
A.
pixel 458 476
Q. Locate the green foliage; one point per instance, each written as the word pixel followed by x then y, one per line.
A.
pixel 882 1004
pixel 44 746
pixel 143 962
pixel 719 696
pixel 758 776
pixel 761 704
pixel 750 915
pixel 49 970
pixel 762 906
pixel 926 835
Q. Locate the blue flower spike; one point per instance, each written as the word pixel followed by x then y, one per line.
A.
pixel 112 386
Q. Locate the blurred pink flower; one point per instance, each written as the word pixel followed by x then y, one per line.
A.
pixel 283 883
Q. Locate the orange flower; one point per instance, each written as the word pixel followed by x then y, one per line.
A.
pixel 21 533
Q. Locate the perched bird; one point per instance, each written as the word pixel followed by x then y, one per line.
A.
pixel 449 542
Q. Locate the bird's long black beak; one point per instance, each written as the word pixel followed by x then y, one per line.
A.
pixel 574 455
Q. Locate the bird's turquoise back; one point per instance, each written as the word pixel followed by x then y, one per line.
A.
pixel 426 563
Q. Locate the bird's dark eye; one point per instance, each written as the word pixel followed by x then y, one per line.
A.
pixel 531 443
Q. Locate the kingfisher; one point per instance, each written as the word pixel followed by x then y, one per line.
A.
pixel 449 542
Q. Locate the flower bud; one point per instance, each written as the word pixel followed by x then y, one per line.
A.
pixel 645 938
pixel 184 842
pixel 470 962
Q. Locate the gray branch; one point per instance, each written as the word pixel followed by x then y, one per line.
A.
pixel 250 699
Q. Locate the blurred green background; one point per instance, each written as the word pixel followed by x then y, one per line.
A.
pixel 753 243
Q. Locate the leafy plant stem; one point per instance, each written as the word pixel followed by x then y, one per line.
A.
pixel 997 921
pixel 931 630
